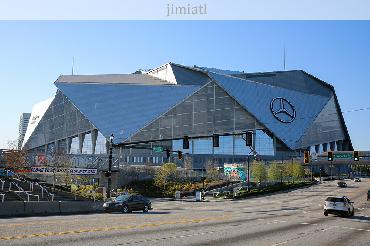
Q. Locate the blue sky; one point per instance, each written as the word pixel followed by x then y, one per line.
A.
pixel 34 53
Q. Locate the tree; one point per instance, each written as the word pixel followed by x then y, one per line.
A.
pixel 211 170
pixel 298 171
pixel 15 159
pixel 274 172
pixel 188 165
pixel 149 170
pixel 62 163
pixel 259 172
pixel 165 174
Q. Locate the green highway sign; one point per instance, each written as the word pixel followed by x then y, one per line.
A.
pixel 343 156
pixel 158 149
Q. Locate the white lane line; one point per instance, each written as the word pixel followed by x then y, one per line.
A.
pixel 276 244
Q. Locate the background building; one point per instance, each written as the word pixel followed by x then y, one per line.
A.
pixel 23 123
pixel 288 112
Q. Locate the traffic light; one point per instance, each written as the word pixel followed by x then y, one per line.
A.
pixel 179 155
pixel 330 156
pixel 168 153
pixel 249 139
pixel 185 142
pixel 306 158
pixel 216 140
pixel 356 156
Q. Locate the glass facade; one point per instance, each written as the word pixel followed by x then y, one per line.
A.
pixel 226 146
pixel 229 145
pixel 101 144
pixel 75 146
pixel 264 143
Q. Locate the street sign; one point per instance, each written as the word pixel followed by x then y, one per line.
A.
pixel 343 156
pixel 158 149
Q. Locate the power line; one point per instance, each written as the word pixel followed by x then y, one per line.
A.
pixel 355 110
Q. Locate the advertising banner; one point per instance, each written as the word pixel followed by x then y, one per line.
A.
pixel 235 171
pixel 72 171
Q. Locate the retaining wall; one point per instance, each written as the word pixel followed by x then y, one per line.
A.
pixel 14 209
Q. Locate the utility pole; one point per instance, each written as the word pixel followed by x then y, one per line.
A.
pixel 311 170
pixel 281 176
pixel 331 170
pixel 110 164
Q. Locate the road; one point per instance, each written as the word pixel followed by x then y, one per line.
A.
pixel 291 218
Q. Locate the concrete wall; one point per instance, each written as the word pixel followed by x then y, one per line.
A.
pixel 14 209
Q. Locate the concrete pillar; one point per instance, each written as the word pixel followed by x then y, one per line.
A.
pixel 345 145
pixel 69 143
pixel 332 146
pixel 339 145
pixel 94 137
pixel 107 145
pixel 56 146
pixel 325 147
pixel 81 138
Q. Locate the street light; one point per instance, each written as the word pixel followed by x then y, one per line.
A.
pixel 110 164
pixel 281 176
pixel 248 177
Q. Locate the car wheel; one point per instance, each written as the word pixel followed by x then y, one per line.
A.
pixel 146 209
pixel 353 212
pixel 349 213
pixel 125 209
pixel 325 213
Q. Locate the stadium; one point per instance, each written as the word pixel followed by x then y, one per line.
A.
pixel 288 112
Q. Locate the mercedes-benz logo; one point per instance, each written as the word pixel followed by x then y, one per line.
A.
pixel 282 110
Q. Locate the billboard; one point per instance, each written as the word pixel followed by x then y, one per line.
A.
pixel 235 171
pixel 72 171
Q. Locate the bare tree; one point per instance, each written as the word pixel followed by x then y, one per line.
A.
pixel 211 170
pixel 62 163
pixel 15 159
pixel 188 165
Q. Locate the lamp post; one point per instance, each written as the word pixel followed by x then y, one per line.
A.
pixel 110 164
pixel 331 170
pixel 248 177
pixel 281 176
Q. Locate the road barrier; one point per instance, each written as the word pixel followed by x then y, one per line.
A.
pixel 14 209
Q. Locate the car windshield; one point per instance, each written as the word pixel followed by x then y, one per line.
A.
pixel 122 198
pixel 335 199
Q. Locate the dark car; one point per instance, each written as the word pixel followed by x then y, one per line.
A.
pixel 368 195
pixel 128 203
pixel 341 184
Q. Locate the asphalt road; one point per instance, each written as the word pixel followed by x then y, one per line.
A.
pixel 292 218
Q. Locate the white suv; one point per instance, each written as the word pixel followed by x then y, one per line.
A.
pixel 339 205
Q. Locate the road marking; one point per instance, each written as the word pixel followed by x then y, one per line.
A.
pixel 280 243
pixel 115 228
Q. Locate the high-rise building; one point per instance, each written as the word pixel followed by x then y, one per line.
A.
pixel 23 123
